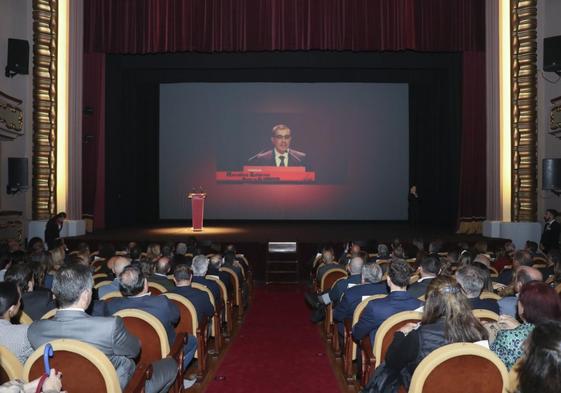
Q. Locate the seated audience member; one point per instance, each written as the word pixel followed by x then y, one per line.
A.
pixel 428 270
pixel 481 247
pixel 520 258
pixel 352 250
pixel 377 311
pixel 537 303
pixel 524 274
pixel 230 261
pixel 554 256
pixel 51 384
pixel 435 247
pixel 214 270
pixel 482 259
pixel 134 288
pixel 35 303
pixel 200 268
pixel 161 271
pixel 447 318
pixel 372 284
pixel 13 337
pixel 182 278
pixel 470 280
pixel 327 262
pixel 532 248
pixel 72 287
pixel 504 256
pixel 168 250
pixel 54 262
pixel 135 253
pixel 119 263
pixel 541 362
pixel 153 252
pixel 383 252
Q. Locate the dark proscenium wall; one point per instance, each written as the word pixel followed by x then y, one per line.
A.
pixel 132 102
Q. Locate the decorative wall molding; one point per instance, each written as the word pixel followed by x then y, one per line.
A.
pixel 11 117
pixel 524 109
pixel 44 108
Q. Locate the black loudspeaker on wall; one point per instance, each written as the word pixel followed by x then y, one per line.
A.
pixel 551 174
pixel 18 57
pixel 552 54
pixel 17 175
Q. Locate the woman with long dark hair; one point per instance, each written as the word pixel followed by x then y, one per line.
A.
pixel 447 318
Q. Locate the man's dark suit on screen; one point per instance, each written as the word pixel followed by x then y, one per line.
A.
pixel 109 335
pixel 267 158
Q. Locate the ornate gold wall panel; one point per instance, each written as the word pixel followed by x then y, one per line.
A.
pixel 524 112
pixel 44 108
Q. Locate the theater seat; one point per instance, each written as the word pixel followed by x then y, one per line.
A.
pixel 10 366
pixel 102 283
pixel 156 289
pixel 227 302
pixel 237 296
pixel 443 369
pixel 493 272
pixel 24 319
pixel 216 319
pixel 386 331
pixel 188 323
pixel 330 277
pixel 84 367
pixel 350 345
pixel 489 295
pixel 485 315
pixel 558 289
pixel 111 295
pixel 328 325
pixel 49 314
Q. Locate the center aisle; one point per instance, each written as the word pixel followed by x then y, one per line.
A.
pixel 277 348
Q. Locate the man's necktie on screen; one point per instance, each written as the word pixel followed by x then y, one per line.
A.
pixel 281 158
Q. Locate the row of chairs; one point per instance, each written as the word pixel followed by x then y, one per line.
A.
pixel 373 357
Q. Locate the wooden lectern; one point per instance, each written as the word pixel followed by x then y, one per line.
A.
pixel 198 209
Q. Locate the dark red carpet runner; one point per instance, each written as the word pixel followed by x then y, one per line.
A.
pixel 277 349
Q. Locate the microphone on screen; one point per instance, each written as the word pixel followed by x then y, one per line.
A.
pixel 257 155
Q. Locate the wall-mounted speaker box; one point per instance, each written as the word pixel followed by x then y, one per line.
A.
pixel 552 54
pixel 17 173
pixel 551 174
pixel 18 57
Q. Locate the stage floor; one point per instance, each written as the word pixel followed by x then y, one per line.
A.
pixel 264 231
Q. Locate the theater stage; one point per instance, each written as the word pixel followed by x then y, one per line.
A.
pixel 251 237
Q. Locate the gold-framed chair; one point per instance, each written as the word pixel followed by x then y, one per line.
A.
pixel 349 354
pixel 99 277
pixel 386 331
pixel 10 366
pixel 328 321
pixel 216 318
pixel 24 318
pixel 330 277
pixel 489 295
pixel 189 323
pixel 102 283
pixel 237 298
pixel 228 314
pixel 156 289
pixel 111 295
pixel 485 315
pixel 493 272
pixel 79 363
pixel 49 314
pixel 558 288
pixel 441 370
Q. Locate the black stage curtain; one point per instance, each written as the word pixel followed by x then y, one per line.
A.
pixel 132 97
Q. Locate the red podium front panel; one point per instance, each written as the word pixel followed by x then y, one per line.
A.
pixel 198 209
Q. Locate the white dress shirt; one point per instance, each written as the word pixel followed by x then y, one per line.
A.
pixel 279 155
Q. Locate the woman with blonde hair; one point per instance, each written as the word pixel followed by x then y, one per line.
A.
pixel 153 252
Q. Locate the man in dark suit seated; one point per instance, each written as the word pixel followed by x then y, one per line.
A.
pixel 377 311
pixel 520 258
pixel 35 302
pixel 428 269
pixel 372 284
pixel 281 155
pixel 214 270
pixel 119 263
pixel 134 288
pixel 200 268
pixel 182 277
pixel 328 263
pixel 72 286
pixel 472 283
pixel 160 275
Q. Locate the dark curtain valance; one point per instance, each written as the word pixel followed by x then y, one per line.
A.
pixel 152 26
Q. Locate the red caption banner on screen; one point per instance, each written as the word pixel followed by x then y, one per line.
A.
pixel 267 174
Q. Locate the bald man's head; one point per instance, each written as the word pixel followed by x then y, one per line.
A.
pixel 525 274
pixel 163 266
pixel 355 266
pixel 119 264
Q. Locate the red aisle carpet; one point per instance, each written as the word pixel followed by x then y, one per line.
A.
pixel 277 349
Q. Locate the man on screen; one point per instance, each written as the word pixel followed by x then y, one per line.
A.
pixel 281 154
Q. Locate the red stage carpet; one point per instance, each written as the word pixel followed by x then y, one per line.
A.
pixel 277 349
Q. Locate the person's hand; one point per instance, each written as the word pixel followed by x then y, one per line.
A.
pixel 53 382
pixel 406 329
pixel 507 322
